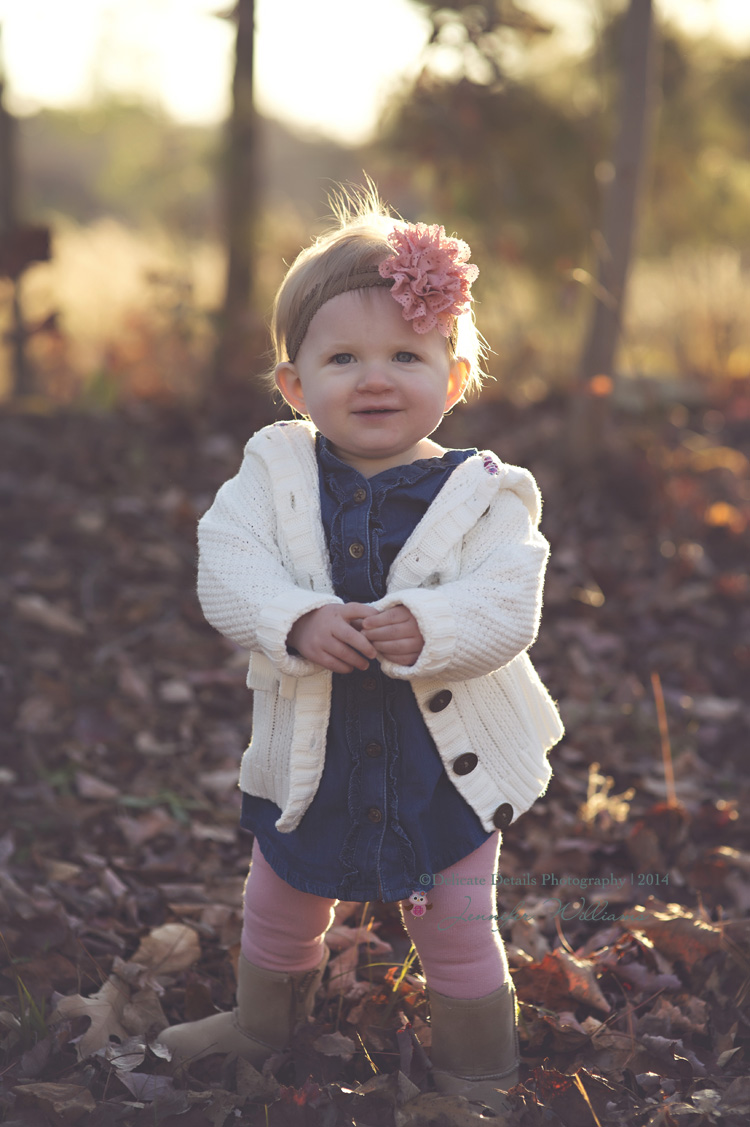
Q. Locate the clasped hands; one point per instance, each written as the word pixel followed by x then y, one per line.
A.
pixel 343 637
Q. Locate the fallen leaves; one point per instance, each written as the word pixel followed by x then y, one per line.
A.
pixel 677 932
pixel 70 1101
pixel 127 1004
pixel 122 866
pixel 105 1009
pixel 40 611
pixel 168 949
pixel 559 979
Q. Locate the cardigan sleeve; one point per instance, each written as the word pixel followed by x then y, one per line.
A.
pixel 490 614
pixel 245 586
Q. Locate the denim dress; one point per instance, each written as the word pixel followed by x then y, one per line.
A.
pixel 385 811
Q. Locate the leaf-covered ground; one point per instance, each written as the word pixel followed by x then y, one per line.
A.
pixel 624 891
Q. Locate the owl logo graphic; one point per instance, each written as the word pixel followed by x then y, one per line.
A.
pixel 417 904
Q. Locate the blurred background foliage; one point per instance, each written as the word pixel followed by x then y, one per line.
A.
pixel 501 137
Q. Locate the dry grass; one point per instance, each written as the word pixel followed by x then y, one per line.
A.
pixel 135 315
pixel 133 308
pixel 690 315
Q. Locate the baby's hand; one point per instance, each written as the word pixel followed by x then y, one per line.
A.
pixel 394 634
pixel 329 637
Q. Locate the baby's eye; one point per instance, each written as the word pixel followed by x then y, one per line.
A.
pixel 342 358
pixel 405 357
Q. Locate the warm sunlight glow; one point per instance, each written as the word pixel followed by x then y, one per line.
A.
pixel 327 66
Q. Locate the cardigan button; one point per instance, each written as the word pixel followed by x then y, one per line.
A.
pixel 374 814
pixel 374 749
pixel 465 764
pixel 503 816
pixel 356 550
pixel 359 496
pixel 440 701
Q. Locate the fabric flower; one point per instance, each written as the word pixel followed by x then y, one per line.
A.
pixel 432 276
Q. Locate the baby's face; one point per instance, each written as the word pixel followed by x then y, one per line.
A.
pixel 372 386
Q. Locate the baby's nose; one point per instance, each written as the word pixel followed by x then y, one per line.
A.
pixel 375 375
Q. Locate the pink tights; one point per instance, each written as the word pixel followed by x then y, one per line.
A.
pixel 284 929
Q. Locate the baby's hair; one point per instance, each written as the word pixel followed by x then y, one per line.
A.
pixel 356 243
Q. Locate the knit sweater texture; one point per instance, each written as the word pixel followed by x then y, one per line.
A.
pixel 471 574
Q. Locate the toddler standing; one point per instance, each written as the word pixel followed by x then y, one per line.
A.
pixel 388 590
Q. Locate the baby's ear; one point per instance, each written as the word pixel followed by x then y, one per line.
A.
pixel 457 381
pixel 290 386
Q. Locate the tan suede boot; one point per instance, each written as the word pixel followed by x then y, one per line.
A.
pixel 475 1046
pixel 270 1004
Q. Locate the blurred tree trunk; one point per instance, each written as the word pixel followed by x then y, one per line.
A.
pixel 240 203
pixel 22 376
pixel 587 431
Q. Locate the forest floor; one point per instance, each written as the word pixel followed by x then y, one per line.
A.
pixel 625 889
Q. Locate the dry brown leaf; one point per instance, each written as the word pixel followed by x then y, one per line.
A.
pixel 686 1014
pixel 737 1095
pixel 342 973
pixel 168 949
pixel 339 937
pixel 613 1051
pixel 88 786
pixel 676 931
pixel 335 1045
pixel 145 1087
pixel 669 1047
pixel 69 1101
pixel 223 1104
pixel 105 1008
pixel 559 977
pixel 527 936
pixel 430 1108
pixel 61 870
pixel 37 715
pixel 202 831
pixel 143 1013
pixel 127 1056
pixel 220 783
pixel 146 826
pixel 568 1036
pixel 34 608
pixel 255 1085
pixel 582 984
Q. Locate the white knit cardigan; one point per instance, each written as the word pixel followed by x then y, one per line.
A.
pixel 471 573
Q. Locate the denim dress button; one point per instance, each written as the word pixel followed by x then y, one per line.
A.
pixel 374 814
pixel 440 701
pixel 503 816
pixel 465 763
pixel 356 550
pixel 374 749
pixel 368 684
pixel 359 495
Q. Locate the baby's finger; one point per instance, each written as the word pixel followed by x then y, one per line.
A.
pixel 399 613
pixel 356 612
pixel 357 640
pixel 398 630
pixel 398 646
pixel 408 657
pixel 346 657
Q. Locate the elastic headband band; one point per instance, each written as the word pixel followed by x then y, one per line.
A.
pixel 323 292
pixel 429 275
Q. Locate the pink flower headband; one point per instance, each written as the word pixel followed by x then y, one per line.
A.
pixel 429 276
pixel 432 276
